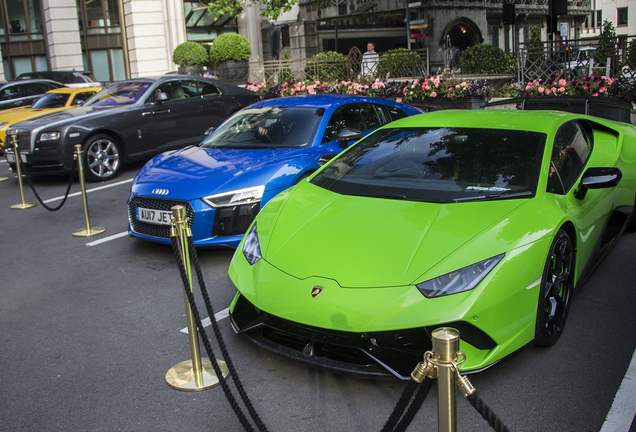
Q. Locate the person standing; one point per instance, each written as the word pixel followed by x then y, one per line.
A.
pixel 370 61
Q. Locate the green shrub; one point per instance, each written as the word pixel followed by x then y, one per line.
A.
pixel 190 54
pixel 487 59
pixel 327 66
pixel 607 46
pixel 399 62
pixel 230 46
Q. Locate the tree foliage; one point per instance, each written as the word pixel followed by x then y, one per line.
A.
pixel 607 45
pixel 273 8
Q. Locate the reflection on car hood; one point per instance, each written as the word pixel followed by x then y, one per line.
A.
pixel 71 115
pixel 196 172
pixel 370 242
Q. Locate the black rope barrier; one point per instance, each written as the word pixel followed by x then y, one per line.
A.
pixel 486 413
pixel 400 407
pixel 68 188
pixel 219 337
pixel 418 400
pixel 206 342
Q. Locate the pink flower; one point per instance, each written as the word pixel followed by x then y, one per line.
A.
pixel 561 89
pixel 562 82
pixel 433 94
pixel 541 89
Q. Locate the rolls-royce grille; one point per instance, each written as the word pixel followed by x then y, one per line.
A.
pixel 230 221
pixel 150 229
pixel 24 141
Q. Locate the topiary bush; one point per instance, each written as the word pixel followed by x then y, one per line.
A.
pixel 190 54
pixel 486 59
pixel 327 66
pixel 399 62
pixel 230 46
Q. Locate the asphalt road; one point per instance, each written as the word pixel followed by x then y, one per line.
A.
pixel 90 326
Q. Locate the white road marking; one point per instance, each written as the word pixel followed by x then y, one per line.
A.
pixel 89 190
pixel 623 409
pixel 206 322
pixel 109 238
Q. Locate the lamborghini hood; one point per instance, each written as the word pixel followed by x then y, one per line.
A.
pixel 372 242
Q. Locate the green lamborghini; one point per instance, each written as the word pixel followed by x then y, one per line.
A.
pixel 487 221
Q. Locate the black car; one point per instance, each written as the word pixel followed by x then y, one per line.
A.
pixel 23 93
pixel 69 78
pixel 130 120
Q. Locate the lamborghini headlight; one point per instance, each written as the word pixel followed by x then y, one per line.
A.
pixel 237 197
pixel 251 248
pixel 460 280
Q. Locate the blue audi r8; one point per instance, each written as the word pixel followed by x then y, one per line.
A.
pixel 257 153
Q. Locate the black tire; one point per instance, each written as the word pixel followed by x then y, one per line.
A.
pixel 101 158
pixel 557 288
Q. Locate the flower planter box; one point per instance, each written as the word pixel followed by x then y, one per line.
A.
pixel 191 70
pixel 233 72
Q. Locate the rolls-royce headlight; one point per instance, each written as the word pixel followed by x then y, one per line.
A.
pixel 49 136
pixel 460 280
pixel 251 248
pixel 237 197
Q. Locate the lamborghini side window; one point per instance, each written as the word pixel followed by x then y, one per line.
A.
pixel 570 152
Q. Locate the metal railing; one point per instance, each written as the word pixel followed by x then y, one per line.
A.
pixel 391 65
pixel 576 58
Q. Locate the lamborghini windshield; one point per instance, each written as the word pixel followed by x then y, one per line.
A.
pixel 438 165
pixel 268 127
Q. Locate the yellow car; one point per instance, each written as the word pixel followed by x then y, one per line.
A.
pixel 52 101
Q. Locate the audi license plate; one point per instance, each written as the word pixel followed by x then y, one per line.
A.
pixel 159 217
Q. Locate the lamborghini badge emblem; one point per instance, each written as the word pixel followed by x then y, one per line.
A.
pixel 316 290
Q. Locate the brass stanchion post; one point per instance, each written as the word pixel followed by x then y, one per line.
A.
pixel 88 231
pixel 446 349
pixel 23 205
pixel 195 374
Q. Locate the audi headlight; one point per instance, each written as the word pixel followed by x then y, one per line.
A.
pixel 237 197
pixel 49 136
pixel 460 280
pixel 2 124
pixel 251 248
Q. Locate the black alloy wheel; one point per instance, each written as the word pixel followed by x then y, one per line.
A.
pixel 102 159
pixel 557 288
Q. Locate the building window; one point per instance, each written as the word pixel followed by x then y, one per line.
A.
pixel 621 17
pixel 102 16
pixel 342 8
pixel 495 36
pixel 107 65
pixel 599 19
pixel 24 20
